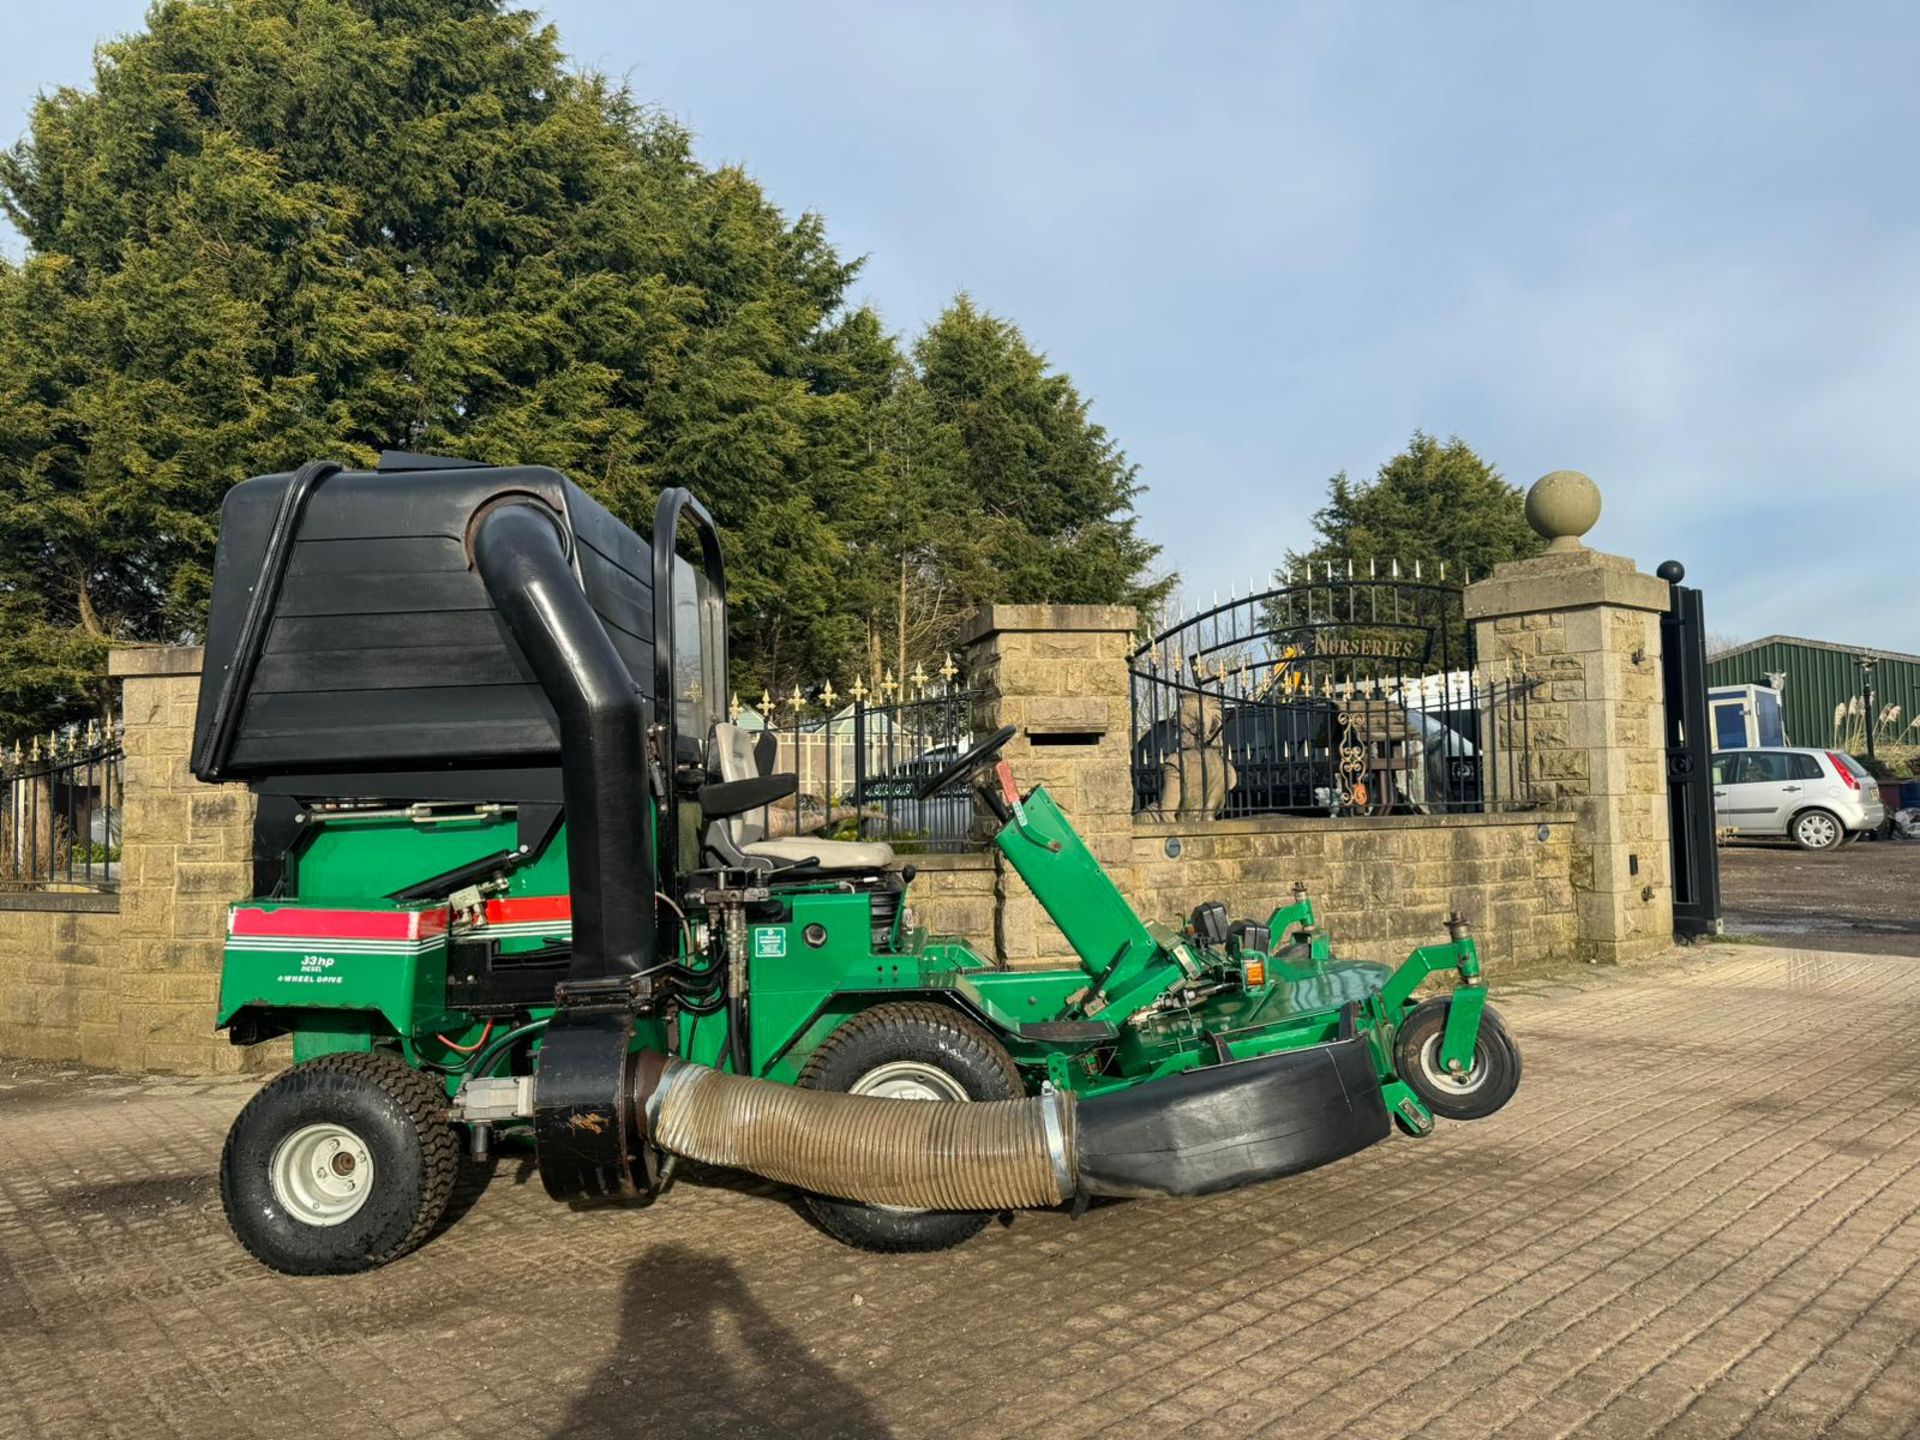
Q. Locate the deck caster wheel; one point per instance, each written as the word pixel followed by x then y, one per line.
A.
pixel 908 1051
pixel 1483 1087
pixel 339 1164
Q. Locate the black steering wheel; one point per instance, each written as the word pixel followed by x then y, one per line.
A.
pixel 968 763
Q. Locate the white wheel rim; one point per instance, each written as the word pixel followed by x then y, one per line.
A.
pixel 1817 830
pixel 909 1080
pixel 321 1174
pixel 1441 1079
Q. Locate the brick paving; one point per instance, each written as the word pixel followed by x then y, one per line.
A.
pixel 1697 1219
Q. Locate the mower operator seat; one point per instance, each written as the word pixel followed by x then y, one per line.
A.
pixel 733 757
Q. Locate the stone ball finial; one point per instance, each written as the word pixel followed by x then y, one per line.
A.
pixel 1562 507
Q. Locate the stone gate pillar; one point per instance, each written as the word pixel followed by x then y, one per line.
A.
pixel 1059 672
pixel 186 852
pixel 1587 626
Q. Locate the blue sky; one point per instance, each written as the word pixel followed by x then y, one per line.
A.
pixel 1675 246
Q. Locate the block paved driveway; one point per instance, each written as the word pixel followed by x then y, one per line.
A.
pixel 1698 1219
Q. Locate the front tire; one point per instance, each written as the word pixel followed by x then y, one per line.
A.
pixel 1490 1079
pixel 909 1051
pixel 1818 830
pixel 340 1164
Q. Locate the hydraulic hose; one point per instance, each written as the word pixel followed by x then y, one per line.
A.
pixel 991 1155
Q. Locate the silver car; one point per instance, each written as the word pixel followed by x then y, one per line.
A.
pixel 1817 798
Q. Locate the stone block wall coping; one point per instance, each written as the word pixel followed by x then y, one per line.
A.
pixel 1570 580
pixel 65 902
pixel 148 660
pixel 946 864
pixel 1147 829
pixel 1077 619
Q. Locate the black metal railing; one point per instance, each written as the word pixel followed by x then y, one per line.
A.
pixel 860 765
pixel 60 810
pixel 1344 694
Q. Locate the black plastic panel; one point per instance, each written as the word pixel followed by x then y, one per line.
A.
pixel 382 650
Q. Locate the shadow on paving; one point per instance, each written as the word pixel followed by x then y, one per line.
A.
pixel 686 1319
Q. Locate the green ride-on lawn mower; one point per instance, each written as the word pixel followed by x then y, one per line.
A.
pixel 513 881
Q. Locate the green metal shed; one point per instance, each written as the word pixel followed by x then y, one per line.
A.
pixel 1820 676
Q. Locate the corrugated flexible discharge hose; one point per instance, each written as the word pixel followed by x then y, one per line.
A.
pixel 988 1155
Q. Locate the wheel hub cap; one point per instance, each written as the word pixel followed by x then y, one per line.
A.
pixel 321 1174
pixel 910 1080
pixel 1437 1075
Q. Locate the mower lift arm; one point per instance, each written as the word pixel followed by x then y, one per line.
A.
pixel 1469 998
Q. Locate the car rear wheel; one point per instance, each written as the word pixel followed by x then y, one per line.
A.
pixel 1817 830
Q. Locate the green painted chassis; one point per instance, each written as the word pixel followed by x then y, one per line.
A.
pixel 1168 1003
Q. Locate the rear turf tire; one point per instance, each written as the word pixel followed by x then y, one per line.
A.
pixel 901 1049
pixel 1490 1079
pixel 339 1164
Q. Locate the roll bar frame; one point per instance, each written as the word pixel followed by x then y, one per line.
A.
pixel 678 503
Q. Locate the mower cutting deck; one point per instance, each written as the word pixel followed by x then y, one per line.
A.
pixel 513 884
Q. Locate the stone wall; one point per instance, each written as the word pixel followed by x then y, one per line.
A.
pixel 56 973
pixel 129 981
pixel 1380 886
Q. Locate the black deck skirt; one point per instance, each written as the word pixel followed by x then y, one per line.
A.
pixel 1231 1125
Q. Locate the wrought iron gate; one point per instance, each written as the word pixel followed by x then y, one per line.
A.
pixel 1690 822
pixel 1350 692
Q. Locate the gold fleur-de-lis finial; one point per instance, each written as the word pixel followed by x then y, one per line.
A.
pixel 888 685
pixel 796 700
pixel 948 669
pixel 766 702
pixel 860 691
pixel 919 677
pixel 93 733
pixel 827 697
pixel 35 755
pixel 733 708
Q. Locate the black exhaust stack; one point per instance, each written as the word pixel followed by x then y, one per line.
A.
pixel 519 548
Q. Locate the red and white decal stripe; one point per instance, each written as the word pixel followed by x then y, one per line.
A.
pixel 537 916
pixel 388 932
pixel 368 932
pixel 531 909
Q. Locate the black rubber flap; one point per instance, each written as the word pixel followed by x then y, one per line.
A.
pixel 580 1110
pixel 1230 1125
